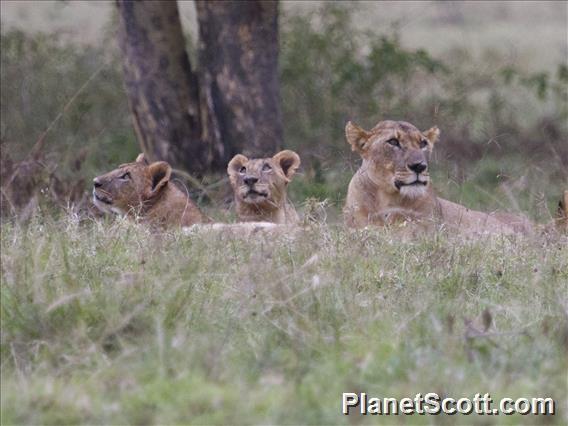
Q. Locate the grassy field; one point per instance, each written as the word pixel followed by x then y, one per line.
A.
pixel 108 323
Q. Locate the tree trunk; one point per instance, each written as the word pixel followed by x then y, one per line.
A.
pixel 238 71
pixel 163 91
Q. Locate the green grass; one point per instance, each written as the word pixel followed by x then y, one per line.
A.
pixel 109 323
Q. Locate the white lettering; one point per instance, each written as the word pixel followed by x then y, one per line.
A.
pixel 505 402
pixel 446 409
pixel 349 400
pixel 433 403
pixel 406 406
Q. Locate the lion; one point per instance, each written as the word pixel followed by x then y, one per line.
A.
pixel 260 187
pixel 143 190
pixel 393 184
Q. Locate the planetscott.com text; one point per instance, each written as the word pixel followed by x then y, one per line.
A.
pixel 433 404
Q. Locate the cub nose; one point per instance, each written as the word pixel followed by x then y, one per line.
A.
pixel 418 167
pixel 97 183
pixel 250 180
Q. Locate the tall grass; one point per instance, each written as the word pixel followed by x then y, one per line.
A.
pixel 108 323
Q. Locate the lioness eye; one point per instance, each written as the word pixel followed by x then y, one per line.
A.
pixel 125 175
pixel 266 168
pixel 243 169
pixel 423 143
pixel 394 142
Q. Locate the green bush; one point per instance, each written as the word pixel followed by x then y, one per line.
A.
pixel 332 72
pixel 41 78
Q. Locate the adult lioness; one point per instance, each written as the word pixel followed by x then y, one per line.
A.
pixel 144 191
pixel 260 187
pixel 393 183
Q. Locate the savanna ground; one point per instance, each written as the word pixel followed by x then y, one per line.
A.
pixel 107 322
pixel 104 321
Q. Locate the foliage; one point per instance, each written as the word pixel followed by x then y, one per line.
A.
pixel 332 71
pixel 42 77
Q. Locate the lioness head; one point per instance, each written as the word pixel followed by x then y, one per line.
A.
pixel 130 187
pixel 395 155
pixel 262 182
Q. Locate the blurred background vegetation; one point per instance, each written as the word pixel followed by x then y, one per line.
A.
pixel 497 90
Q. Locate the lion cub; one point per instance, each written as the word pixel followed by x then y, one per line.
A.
pixel 260 187
pixel 144 190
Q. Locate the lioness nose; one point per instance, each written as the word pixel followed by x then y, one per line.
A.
pixel 97 183
pixel 250 180
pixel 418 167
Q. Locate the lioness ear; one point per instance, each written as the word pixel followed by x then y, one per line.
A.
pixel 141 159
pixel 289 161
pixel 432 134
pixel 160 173
pixel 357 137
pixel 236 163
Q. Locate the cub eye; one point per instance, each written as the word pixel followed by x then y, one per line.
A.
pixel 394 142
pixel 266 167
pixel 125 176
pixel 243 169
pixel 423 143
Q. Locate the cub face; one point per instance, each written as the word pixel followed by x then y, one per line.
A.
pixel 395 155
pixel 128 188
pixel 262 182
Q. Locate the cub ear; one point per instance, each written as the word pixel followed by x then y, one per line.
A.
pixel 160 173
pixel 236 163
pixel 357 137
pixel 142 159
pixel 432 134
pixel 288 161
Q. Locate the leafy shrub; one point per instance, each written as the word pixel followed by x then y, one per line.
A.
pixel 41 78
pixel 332 72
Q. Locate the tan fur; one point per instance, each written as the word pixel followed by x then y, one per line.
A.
pixel 243 229
pixel 142 190
pixel 260 187
pixel 379 193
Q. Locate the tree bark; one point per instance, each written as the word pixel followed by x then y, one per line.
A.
pixel 162 89
pixel 238 71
